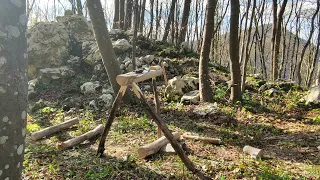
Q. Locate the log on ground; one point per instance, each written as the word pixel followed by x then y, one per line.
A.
pixel 79 139
pixel 155 146
pixel 254 152
pixel 205 139
pixel 53 129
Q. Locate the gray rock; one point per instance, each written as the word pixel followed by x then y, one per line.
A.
pixel 149 58
pixel 192 97
pixel 126 64
pixel 271 92
pixel 90 52
pixel 168 149
pixel 178 86
pixel 121 45
pixel 32 93
pixel 318 148
pixel 93 105
pixel 74 61
pixel 122 67
pixel 313 95
pixel 90 87
pixel 48 46
pixel 115 32
pixel 130 68
pixel 210 108
pixel 105 100
pixel 107 90
pixel 49 74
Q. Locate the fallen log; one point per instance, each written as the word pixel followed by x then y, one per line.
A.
pixel 79 139
pixel 254 152
pixel 155 146
pixel 53 129
pixel 205 139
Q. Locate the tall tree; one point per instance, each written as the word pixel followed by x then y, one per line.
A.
pixel 104 43
pixel 128 15
pixel 13 87
pixel 234 52
pixel 204 78
pixel 135 30
pixel 121 13
pixel 116 14
pixel 184 23
pixel 306 44
pixel 79 7
pixel 170 19
pixel 276 36
pixel 141 23
pixel 151 19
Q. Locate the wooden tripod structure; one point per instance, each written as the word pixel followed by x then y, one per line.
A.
pixel 130 80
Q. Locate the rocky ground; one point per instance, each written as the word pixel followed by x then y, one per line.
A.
pixel 69 80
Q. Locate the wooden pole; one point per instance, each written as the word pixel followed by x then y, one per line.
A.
pixel 112 115
pixel 205 139
pixel 53 129
pixel 157 103
pixel 155 146
pixel 167 133
pixel 79 139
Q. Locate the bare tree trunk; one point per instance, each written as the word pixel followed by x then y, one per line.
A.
pixel 79 8
pixel 135 31
pixel 242 50
pixel 184 23
pixel 206 94
pixel 244 71
pixel 128 15
pixel 143 7
pixel 276 46
pixel 315 59
pixel 151 19
pixel 13 88
pixel 306 45
pixel 104 43
pixel 170 18
pixel 121 13
pixel 234 52
pixel 116 15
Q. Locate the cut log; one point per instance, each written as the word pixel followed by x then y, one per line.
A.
pixel 205 139
pixel 79 139
pixel 53 129
pixel 154 147
pixel 131 77
pixel 254 152
pixel 318 148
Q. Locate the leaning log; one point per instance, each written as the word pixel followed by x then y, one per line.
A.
pixel 79 139
pixel 205 139
pixel 254 152
pixel 53 129
pixel 155 146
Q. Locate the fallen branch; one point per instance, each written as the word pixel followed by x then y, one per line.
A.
pixel 155 146
pixel 254 152
pixel 53 129
pixel 205 139
pixel 79 139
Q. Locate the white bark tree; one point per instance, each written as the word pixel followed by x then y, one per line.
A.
pixel 13 87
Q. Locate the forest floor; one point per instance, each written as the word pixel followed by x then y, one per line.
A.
pixel 287 131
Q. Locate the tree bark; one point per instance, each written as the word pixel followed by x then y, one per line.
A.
pixel 143 9
pixel 104 43
pixel 306 45
pixel 184 23
pixel 170 18
pixel 13 87
pixel 79 8
pixel 151 19
pixel 276 45
pixel 234 52
pixel 116 15
pixel 206 94
pixel 128 15
pixel 135 30
pixel 121 13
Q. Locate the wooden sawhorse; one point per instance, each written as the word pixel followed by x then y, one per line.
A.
pixel 130 80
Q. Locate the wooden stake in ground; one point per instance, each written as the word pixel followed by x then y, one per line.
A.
pixel 254 152
pixel 53 129
pixel 79 139
pixel 205 139
pixel 155 146
pixel 156 102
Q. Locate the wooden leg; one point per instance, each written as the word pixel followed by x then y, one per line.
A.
pixel 156 101
pixel 114 107
pixel 167 133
